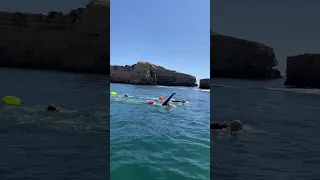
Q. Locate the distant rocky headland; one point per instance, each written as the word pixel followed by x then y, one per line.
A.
pixel 145 73
pixel 78 41
pixel 238 58
pixel 303 71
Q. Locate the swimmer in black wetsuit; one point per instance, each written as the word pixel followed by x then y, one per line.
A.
pixel 126 95
pixel 166 103
pixel 235 126
pixel 183 101
pixel 217 126
pixel 55 108
pixel 52 108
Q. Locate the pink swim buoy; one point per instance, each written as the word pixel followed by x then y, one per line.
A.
pixel 151 102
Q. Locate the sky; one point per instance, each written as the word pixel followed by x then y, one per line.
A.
pixel 290 27
pixel 174 34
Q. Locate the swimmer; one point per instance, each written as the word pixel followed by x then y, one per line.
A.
pixel 218 126
pixel 235 126
pixel 126 95
pixel 166 103
pixel 52 108
pixel 183 101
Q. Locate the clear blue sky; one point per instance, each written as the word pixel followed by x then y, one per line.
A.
pixel 174 34
pixel 291 27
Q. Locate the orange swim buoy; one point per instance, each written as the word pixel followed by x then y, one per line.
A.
pixel 161 98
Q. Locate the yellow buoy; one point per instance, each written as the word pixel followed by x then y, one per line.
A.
pixel 11 100
pixel 113 93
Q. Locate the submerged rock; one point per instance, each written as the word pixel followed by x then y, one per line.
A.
pixel 204 84
pixel 238 58
pixel 145 73
pixel 303 71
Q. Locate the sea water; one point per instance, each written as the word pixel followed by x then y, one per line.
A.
pixel 154 142
pixel 281 133
pixel 72 144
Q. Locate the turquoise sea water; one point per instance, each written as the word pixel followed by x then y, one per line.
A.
pixel 154 142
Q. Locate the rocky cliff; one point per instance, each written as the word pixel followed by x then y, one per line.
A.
pixel 145 73
pixel 303 71
pixel 238 58
pixel 77 41
pixel 204 84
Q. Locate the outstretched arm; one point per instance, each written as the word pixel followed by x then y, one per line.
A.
pixel 167 101
pixel 218 125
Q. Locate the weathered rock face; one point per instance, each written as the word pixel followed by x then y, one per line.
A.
pixel 78 41
pixel 145 73
pixel 204 84
pixel 237 58
pixel 303 71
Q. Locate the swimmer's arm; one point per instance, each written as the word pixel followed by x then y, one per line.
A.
pixel 167 101
pixel 218 125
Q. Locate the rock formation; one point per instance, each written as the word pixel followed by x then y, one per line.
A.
pixel 303 71
pixel 238 58
pixel 145 73
pixel 78 41
pixel 204 84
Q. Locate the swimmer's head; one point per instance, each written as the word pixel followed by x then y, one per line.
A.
pixel 183 101
pixel 126 95
pixel 236 126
